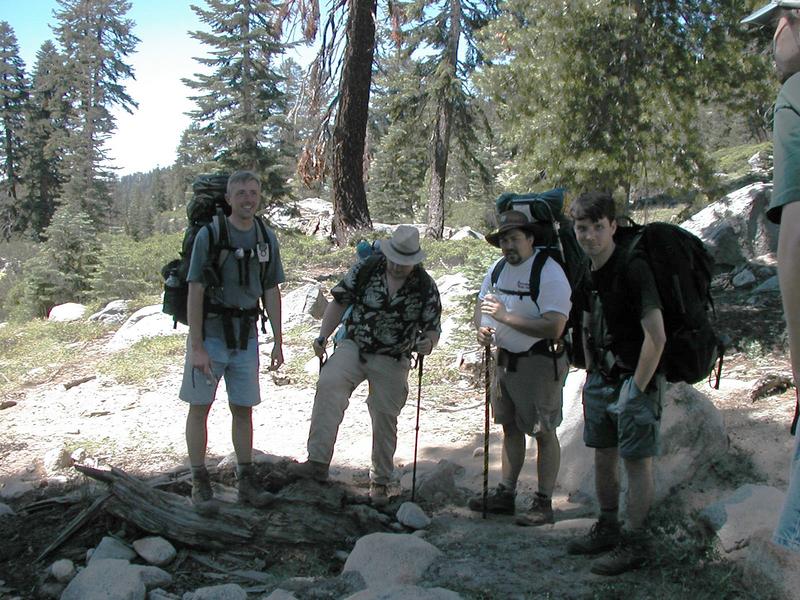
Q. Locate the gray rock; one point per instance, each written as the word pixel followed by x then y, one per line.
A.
pixel 63 313
pixel 62 570
pixel 49 589
pixel 385 559
pixel 748 509
pixel 6 510
pixel 436 484
pixel 770 285
pixel 466 233
pixel 775 563
pixel 16 489
pixel 56 459
pixel 280 594
pixel 159 594
pixel 744 279
pixel 110 547
pixel 155 550
pixel 405 592
pixel 411 515
pixel 227 591
pixel 146 322
pixel 106 579
pixel 111 313
pixel 153 577
pixel 302 303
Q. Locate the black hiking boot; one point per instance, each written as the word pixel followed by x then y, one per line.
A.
pixel 202 494
pixel 603 535
pixel 631 553
pixel 540 513
pixel 499 501
pixel 248 491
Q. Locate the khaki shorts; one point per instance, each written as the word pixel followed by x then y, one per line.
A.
pixel 530 396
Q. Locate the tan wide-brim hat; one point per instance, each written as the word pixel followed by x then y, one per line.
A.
pixel 511 219
pixel 763 15
pixel 403 247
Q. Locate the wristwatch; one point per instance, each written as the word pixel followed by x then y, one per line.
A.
pixel 321 340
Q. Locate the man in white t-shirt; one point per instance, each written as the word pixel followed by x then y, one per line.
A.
pixel 531 362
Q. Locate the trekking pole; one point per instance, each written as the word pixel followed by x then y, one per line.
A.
pixel 416 429
pixel 487 357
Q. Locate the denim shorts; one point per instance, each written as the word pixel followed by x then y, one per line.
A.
pixel 622 416
pixel 787 533
pixel 238 367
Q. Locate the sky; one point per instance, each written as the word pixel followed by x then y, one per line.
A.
pixel 148 138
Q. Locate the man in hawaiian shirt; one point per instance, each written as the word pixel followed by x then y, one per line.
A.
pixel 396 310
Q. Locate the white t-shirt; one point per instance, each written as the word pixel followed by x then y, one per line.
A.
pixel 554 296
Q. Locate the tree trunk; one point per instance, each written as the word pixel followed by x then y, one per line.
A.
pixel 350 211
pixel 440 138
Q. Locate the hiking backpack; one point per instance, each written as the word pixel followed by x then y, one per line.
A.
pixel 207 208
pixel 682 269
pixel 554 238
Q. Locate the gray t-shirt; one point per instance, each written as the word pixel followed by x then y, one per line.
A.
pixel 786 148
pixel 237 290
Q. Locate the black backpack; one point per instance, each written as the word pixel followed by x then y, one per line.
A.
pixel 554 238
pixel 207 208
pixel 682 269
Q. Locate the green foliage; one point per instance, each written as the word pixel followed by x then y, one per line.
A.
pixel 60 272
pixel 303 252
pixel 146 360
pixel 128 269
pixel 733 161
pixel 35 349
pixel 469 256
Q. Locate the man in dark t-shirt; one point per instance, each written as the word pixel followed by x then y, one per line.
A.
pixel 623 340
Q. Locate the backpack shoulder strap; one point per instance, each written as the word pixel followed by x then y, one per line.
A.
pixel 365 272
pixel 262 237
pixel 498 267
pixel 535 280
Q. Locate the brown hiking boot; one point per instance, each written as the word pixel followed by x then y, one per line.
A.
pixel 202 494
pixel 499 501
pixel 378 494
pixel 540 513
pixel 603 536
pixel 310 469
pixel 631 553
pixel 248 491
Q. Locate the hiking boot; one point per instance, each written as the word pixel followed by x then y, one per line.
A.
pixel 202 494
pixel 310 469
pixel 248 491
pixel 628 555
pixel 603 536
pixel 378 494
pixel 499 501
pixel 540 513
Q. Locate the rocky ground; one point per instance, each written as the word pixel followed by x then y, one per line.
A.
pixel 140 430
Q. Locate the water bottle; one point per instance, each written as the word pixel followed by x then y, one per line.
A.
pixel 172 280
pixel 488 320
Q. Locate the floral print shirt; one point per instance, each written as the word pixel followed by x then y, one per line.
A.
pixel 379 324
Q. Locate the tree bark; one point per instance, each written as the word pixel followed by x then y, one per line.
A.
pixel 440 137
pixel 350 211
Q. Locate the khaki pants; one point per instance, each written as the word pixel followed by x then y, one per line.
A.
pixel 388 390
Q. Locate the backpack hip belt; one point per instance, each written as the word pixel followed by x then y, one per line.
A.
pixel 553 349
pixel 246 317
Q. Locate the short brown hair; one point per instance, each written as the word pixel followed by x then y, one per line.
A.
pixel 242 177
pixel 593 206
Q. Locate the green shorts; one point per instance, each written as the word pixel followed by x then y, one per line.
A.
pixel 621 416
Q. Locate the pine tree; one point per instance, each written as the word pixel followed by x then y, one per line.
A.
pixel 96 38
pixel 13 99
pixel 45 136
pixel 238 102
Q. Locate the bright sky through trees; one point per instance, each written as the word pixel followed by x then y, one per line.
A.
pixel 149 137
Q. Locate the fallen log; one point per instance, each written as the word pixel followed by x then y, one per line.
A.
pixel 304 512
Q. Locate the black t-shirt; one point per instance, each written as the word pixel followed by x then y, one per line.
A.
pixel 625 297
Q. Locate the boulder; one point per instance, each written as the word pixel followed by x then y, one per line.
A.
pixel 6 510
pixel 466 233
pixel 62 570
pixel 748 509
pixel 146 322
pixel 155 550
pixel 303 303
pixel 108 579
pixel 744 279
pixel 735 228
pixel 15 488
pixel 280 594
pixel 385 559
pixel 405 592
pixel 436 484
pixel 63 313
pixel 692 436
pixel 768 286
pixel 777 564
pixel 112 548
pixel 227 591
pixel 411 515
pixel 56 459
pixel 112 313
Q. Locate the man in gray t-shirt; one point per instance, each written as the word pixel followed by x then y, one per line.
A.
pixel 223 339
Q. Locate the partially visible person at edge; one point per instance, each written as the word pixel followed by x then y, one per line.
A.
pixel 530 369
pixel 395 311
pixel 623 340
pixel 784 208
pixel 233 305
